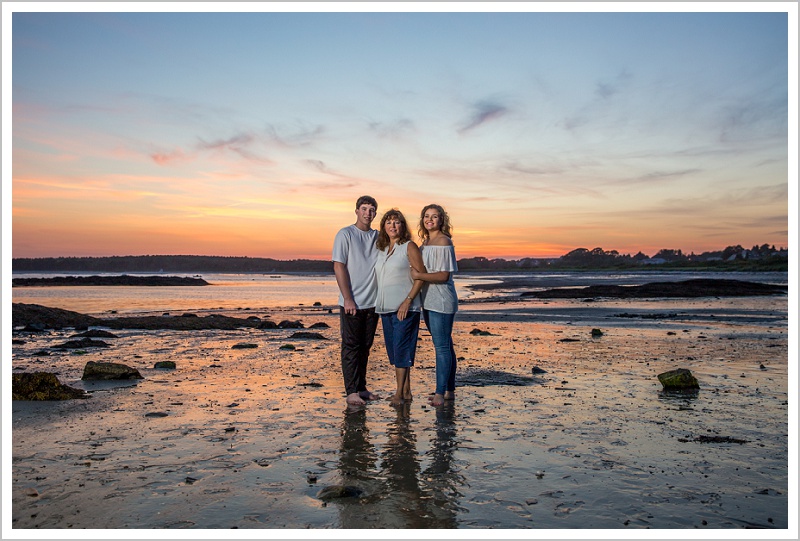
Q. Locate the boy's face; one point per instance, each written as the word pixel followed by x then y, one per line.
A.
pixel 365 214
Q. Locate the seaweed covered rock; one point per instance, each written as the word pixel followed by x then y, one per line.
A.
pixel 680 379
pixel 109 371
pixel 165 364
pixel 42 386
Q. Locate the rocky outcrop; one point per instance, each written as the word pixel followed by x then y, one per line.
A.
pixel 700 287
pixel 123 280
pixel 42 386
pixel 81 344
pixel 37 318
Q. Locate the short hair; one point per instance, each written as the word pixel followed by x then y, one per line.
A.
pixel 445 228
pixel 366 199
pixel 383 239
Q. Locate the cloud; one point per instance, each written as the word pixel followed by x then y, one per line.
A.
pixel 239 144
pixel 299 137
pixel 392 130
pixel 167 158
pixel 483 111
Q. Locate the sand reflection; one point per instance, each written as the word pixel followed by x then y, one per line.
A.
pixel 400 488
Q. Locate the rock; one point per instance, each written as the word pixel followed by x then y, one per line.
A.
pixel 678 380
pixel 16 342
pixel 320 325
pixel 339 491
pixel 157 414
pixel 95 333
pixel 317 303
pixel 596 333
pixel 109 371
pixel 308 335
pixel 42 386
pixel 34 327
pixel 34 316
pixel 479 332
pixel 288 346
pixel 537 370
pixel 267 325
pixel 244 346
pixel 165 364
pixel 82 343
pixel 290 325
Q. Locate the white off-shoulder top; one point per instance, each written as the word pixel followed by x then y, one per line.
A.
pixel 442 297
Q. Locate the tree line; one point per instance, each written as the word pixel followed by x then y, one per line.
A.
pixel 763 257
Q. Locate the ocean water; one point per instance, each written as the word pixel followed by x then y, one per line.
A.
pixel 265 291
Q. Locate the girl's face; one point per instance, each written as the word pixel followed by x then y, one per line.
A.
pixel 432 220
pixel 393 227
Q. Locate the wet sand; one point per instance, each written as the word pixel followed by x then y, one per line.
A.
pixel 248 438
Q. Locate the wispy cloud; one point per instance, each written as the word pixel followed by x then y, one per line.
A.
pixel 394 129
pixel 482 112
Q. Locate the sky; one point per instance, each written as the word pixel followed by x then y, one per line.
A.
pixel 539 131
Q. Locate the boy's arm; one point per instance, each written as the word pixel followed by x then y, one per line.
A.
pixel 343 281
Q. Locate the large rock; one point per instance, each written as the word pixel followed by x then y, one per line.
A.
pixel 680 379
pixel 42 386
pixel 109 371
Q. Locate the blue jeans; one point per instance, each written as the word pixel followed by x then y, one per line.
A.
pixel 441 328
pixel 400 338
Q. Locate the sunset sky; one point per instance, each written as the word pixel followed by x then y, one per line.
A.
pixel 252 134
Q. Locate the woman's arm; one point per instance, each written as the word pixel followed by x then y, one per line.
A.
pixel 432 277
pixel 415 260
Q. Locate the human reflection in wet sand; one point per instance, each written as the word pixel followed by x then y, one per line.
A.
pixel 442 477
pixel 393 497
pixel 358 457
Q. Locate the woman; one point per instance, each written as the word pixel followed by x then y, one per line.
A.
pixel 397 302
pixel 439 299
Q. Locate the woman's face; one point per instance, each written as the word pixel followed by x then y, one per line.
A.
pixel 432 220
pixel 393 227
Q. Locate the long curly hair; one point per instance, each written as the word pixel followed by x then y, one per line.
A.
pixel 446 228
pixel 383 239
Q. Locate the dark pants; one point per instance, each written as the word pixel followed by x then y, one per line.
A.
pixel 358 333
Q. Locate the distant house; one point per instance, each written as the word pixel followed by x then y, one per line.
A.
pixel 653 261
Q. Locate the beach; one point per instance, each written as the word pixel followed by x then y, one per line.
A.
pixel 554 427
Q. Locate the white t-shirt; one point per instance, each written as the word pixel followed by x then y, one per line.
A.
pixel 356 249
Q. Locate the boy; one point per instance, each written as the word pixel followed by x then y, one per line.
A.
pixel 354 255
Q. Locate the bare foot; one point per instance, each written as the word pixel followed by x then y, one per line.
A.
pixel 395 400
pixel 366 395
pixel 408 397
pixel 354 400
pixel 437 400
pixel 449 395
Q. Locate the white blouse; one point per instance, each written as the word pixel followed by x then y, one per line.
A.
pixel 442 297
pixel 393 271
